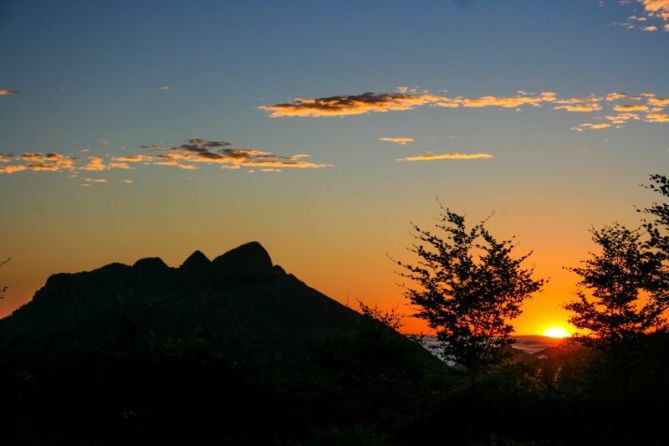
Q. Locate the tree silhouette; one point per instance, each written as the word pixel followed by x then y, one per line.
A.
pixel 659 227
pixel 470 287
pixel 3 288
pixel 620 292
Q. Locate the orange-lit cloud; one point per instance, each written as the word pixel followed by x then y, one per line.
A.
pixel 429 156
pixel 396 139
pixel 349 105
pixel 657 117
pixel 188 156
pixel 653 10
pixel 95 163
pixel 37 162
pixel 12 169
pixel 630 108
pixel 613 111
pixel 658 102
pixel 508 101
pixel 622 118
pixel 6 92
pixel 402 100
pixel 616 96
pixel 591 126
pixel 580 108
pixel 198 151
pixel 657 8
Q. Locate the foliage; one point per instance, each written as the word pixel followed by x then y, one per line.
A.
pixel 470 286
pixel 659 227
pixel 612 287
pixel 3 288
pixel 391 318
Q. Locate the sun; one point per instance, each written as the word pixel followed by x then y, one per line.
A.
pixel 556 332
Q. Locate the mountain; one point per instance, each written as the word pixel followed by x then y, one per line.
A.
pixel 240 297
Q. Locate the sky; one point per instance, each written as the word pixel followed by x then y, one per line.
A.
pixel 323 130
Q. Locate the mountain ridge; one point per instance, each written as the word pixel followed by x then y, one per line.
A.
pixel 239 294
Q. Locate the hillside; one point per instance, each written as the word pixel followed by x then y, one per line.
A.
pixel 240 296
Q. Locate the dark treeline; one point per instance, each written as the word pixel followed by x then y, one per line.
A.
pixel 368 388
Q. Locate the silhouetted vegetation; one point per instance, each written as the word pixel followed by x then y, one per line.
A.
pixel 469 288
pixel 659 226
pixel 3 288
pixel 237 352
pixel 611 286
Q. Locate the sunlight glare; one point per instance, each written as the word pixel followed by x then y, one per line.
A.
pixel 556 332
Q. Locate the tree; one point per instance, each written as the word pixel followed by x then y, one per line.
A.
pixel 658 229
pixel 470 287
pixel 620 293
pixel 3 288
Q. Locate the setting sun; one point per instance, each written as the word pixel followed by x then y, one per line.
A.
pixel 556 332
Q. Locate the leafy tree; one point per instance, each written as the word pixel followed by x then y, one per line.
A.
pixel 620 293
pixel 659 227
pixel 390 318
pixel 469 287
pixel 3 288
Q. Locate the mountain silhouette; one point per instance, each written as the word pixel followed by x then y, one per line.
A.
pixel 241 296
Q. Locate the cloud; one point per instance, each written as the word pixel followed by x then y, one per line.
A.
pixel 199 151
pixel 616 96
pixel 609 105
pixel 165 87
pixel 429 156
pixel 402 100
pixel 622 118
pixel 403 140
pixel 658 102
pixel 12 169
pixel 630 108
pixel 580 108
pixel 47 162
pixel 657 117
pixel 349 105
pixel 95 163
pixel 653 10
pixel 516 101
pixel 188 156
pixel 95 180
pixel 657 9
pixel 591 126
pixel 6 92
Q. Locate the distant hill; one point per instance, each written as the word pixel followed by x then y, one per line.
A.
pixel 240 296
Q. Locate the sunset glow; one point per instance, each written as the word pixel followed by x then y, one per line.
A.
pixel 320 131
pixel 557 332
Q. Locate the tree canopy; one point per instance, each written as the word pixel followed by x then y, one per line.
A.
pixel 621 289
pixel 469 286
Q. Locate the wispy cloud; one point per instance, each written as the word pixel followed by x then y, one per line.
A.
pixel 656 11
pixel 616 103
pixel 580 108
pixel 591 126
pixel 403 140
pixel 6 92
pixel 189 156
pixel 657 117
pixel 429 156
pixel 626 108
pixel 349 105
